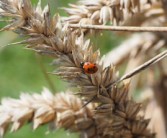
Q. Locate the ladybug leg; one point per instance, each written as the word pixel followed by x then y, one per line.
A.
pixel 82 70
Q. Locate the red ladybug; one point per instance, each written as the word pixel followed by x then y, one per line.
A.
pixel 89 68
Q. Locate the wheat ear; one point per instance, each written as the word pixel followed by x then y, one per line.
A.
pixel 63 110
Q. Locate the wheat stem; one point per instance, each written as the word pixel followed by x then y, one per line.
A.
pixel 46 75
pixel 119 28
pixel 141 67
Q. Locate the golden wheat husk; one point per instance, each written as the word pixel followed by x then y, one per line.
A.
pixel 101 11
pixel 64 110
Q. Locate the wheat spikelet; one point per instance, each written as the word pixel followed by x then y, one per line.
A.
pixel 64 109
pixel 100 11
pixel 123 115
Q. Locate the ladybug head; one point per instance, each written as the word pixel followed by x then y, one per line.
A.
pixel 82 64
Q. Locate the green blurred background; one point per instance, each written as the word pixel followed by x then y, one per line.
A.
pixel 20 71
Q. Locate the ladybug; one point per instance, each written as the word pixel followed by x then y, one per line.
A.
pixel 89 68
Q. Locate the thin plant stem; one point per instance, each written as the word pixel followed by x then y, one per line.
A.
pixel 119 28
pixel 46 75
pixel 141 67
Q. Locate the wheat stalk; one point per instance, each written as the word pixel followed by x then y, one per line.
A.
pixel 143 66
pixel 120 28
